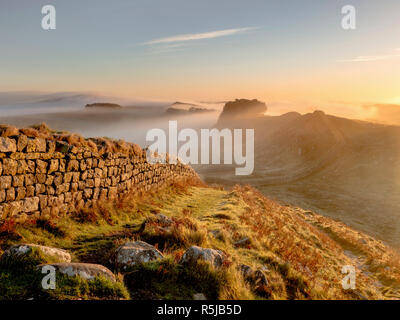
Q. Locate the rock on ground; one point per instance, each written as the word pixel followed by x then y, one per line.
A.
pixel 87 271
pixel 193 254
pixel 22 249
pixel 132 253
pixel 199 296
pixel 163 220
pixel 255 277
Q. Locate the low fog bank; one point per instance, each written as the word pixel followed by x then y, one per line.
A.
pixel 13 104
pixel 380 113
pixel 130 124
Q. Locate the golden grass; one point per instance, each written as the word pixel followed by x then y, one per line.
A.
pixel 301 253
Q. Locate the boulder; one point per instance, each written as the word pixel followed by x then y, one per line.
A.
pixel 132 253
pixel 163 220
pixel 194 253
pixel 22 249
pixel 245 242
pixel 199 296
pixel 256 278
pixel 87 271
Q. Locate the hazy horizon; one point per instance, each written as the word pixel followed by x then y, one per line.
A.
pixel 286 54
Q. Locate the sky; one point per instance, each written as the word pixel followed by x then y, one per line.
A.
pixel 282 51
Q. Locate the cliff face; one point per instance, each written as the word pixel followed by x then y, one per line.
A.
pixel 46 174
pixel 241 109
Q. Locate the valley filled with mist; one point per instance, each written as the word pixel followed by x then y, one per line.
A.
pixel 347 169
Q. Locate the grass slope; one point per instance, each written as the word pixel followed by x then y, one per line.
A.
pixel 301 253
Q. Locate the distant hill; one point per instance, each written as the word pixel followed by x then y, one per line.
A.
pixel 184 108
pixel 347 169
pixel 103 105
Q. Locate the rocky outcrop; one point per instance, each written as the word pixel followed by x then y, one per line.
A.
pixel 24 249
pixel 133 253
pixel 194 253
pixel 85 270
pixel 241 109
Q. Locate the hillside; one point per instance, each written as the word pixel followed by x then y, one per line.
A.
pixel 343 168
pixel 267 251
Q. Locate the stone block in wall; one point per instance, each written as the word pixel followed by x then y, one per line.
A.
pixel 22 167
pixel 31 166
pixel 68 177
pixel 40 188
pixel 103 194
pixel 60 199
pixel 81 185
pixel 22 142
pixel 30 191
pixel 29 179
pixel 74 186
pixel 89 183
pixel 55 211
pixel 51 146
pixel 10 194
pixel 21 193
pixel 53 167
pixel 83 165
pixel 76 176
pixel 62 165
pixel 31 204
pixel 18 181
pixel 84 175
pixel 5 182
pixel 96 193
pixel 49 180
pixel 7 145
pixel 36 145
pixel 41 166
pixel 112 193
pixel 101 163
pixel 50 190
pixel 97 182
pixel 87 154
pixel 98 173
pixel 77 196
pixel 73 165
pixel 43 202
pixel 87 193
pixel 68 197
pixel 10 167
pixel 89 163
pixel 2 196
pixel 58 179
pixel 41 178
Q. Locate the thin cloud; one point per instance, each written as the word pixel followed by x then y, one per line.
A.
pixel 199 36
pixel 373 58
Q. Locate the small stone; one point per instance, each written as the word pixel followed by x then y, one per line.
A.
pixel 22 249
pixel 194 253
pixel 243 242
pixel 84 270
pixel 132 253
pixel 199 296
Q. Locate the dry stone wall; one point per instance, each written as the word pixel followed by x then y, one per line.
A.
pixel 43 177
